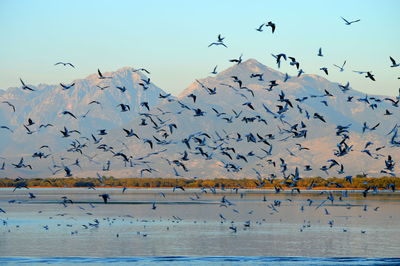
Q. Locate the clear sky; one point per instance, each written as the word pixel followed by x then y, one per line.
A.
pixel 170 38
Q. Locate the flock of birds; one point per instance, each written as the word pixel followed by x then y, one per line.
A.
pixel 229 206
pixel 206 145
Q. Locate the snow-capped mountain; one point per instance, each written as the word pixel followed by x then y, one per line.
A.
pixel 245 119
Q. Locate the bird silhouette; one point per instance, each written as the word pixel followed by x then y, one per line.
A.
pixel 350 22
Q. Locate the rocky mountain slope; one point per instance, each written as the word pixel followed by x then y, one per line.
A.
pixel 239 125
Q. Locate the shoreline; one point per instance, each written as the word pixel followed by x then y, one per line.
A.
pixel 283 189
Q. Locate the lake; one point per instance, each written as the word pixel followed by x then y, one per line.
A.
pixel 248 226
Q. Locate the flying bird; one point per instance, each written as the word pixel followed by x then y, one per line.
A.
pixel 349 22
pixel 238 61
pixel 370 76
pixel 259 29
pixel 101 75
pixel 141 69
pixel 214 71
pixel 24 87
pixel 68 113
pixel 9 104
pixel 65 64
pixel 341 68
pixel 67 87
pixel 219 41
pixel 394 64
pixel 320 52
pixel 324 69
pixel 272 25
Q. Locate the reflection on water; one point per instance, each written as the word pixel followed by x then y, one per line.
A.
pixel 192 223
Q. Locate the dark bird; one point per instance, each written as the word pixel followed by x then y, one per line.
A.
pixel 219 41
pixel 102 132
pixel 67 87
pixel 370 76
pixel 259 29
pixel 24 87
pixel 320 117
pixel 9 129
pixel 122 89
pixel 9 104
pixel 30 122
pixel 149 142
pixel 130 133
pixel 146 81
pixel 272 25
pixel 22 165
pixel 238 61
pixel 66 133
pixel 341 68
pixel 68 113
pixel 320 52
pixel 68 172
pixel 141 69
pixel 105 197
pixel 65 64
pixel 102 87
pixel 45 125
pixel 248 104
pixel 387 112
pixel 101 75
pixel 293 62
pixel 193 97
pixel 178 187
pixel 124 107
pixel 324 69
pixel 345 88
pixel 214 71
pixel 146 105
pixel 394 64
pixel 349 22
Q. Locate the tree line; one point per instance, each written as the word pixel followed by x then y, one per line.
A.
pixel 312 182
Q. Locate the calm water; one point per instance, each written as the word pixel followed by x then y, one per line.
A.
pixel 184 226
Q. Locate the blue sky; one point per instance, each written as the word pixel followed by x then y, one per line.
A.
pixel 170 38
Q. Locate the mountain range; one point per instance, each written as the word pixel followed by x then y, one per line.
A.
pixel 247 121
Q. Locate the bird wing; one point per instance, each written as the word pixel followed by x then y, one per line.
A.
pixel 345 20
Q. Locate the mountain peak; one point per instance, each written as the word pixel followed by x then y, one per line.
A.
pixel 248 67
